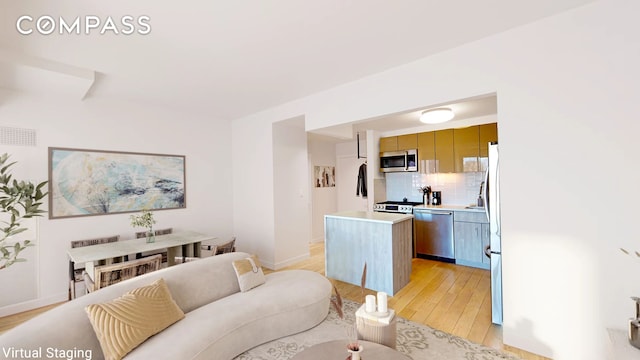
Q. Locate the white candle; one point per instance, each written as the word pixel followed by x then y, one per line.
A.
pixel 370 303
pixel 382 302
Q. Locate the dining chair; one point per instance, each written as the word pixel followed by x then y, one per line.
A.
pixel 226 247
pixel 77 276
pixel 106 275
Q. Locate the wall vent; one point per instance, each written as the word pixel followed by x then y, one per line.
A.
pixel 17 136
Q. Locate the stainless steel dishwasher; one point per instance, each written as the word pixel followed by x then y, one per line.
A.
pixel 433 234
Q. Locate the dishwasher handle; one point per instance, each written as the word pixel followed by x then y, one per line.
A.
pixel 433 212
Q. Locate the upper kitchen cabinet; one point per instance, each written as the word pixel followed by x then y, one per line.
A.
pixel 444 150
pixel 389 143
pixel 427 151
pixel 408 142
pixel 466 148
pixel 399 143
pixel 488 133
pixel 447 151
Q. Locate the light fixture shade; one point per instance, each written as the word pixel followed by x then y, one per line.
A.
pixel 436 116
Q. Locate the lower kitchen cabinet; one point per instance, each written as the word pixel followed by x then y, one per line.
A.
pixel 471 236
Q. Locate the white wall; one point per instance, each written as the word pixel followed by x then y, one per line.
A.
pixel 291 193
pixel 93 124
pixel 347 169
pixel 323 199
pixel 567 112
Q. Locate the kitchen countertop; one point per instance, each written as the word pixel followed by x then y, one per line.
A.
pixel 449 207
pixel 389 218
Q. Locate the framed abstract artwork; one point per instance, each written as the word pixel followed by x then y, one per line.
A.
pixel 324 176
pixel 95 182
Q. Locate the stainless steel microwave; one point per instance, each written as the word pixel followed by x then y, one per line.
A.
pixel 396 161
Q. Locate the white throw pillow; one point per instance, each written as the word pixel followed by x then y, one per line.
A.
pixel 249 273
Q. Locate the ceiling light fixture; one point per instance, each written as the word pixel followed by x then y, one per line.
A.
pixel 436 116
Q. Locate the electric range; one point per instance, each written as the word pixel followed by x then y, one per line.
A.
pixel 403 207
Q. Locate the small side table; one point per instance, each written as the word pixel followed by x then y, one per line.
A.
pixel 375 328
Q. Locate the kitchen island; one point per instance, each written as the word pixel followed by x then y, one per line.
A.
pixel 382 240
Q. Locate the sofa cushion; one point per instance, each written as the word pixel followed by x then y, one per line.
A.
pixel 124 323
pixel 249 273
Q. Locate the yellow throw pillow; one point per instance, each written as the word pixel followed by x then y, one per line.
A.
pixel 126 322
pixel 249 273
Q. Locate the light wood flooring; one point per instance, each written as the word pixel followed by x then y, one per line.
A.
pixel 452 298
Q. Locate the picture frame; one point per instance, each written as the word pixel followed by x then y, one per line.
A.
pixel 324 176
pixel 85 182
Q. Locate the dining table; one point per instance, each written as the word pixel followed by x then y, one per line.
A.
pixel 179 243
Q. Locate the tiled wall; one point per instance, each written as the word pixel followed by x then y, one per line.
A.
pixel 456 188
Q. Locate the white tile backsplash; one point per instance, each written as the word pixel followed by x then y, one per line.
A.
pixel 456 188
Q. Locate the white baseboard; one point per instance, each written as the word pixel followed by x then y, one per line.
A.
pixel 284 264
pixel 32 304
pixel 317 240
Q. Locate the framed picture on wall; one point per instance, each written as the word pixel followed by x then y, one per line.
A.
pixel 95 182
pixel 324 176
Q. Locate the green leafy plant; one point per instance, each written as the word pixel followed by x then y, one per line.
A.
pixel 145 219
pixel 19 200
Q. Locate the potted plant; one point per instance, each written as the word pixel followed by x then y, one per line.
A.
pixel 19 200
pixel 145 219
pixel 426 193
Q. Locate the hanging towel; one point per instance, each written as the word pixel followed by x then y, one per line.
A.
pixel 361 188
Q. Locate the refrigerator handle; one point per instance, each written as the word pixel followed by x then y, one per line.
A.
pixel 485 187
pixel 497 202
pixel 487 251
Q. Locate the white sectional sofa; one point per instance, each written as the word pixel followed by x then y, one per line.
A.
pixel 220 321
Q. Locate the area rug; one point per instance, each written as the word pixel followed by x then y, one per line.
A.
pixel 415 340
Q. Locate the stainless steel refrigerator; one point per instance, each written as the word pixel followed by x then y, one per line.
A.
pixel 494 250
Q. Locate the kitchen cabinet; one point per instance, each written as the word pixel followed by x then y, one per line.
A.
pixel 427 151
pixel 408 142
pixel 487 133
pixel 383 241
pixel 447 151
pixel 399 143
pixel 444 151
pixel 471 236
pixel 389 143
pixel 466 148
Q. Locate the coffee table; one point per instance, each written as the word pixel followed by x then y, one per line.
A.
pixel 337 349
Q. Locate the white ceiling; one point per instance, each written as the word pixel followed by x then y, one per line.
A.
pixel 231 58
pixel 463 109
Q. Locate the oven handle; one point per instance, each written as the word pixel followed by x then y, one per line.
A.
pixel 406 161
